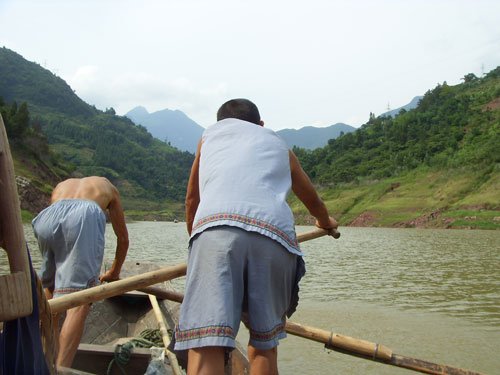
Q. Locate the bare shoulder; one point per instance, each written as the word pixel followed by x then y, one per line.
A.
pixel 96 188
pixel 96 180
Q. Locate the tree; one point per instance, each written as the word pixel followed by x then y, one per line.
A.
pixel 469 78
pixel 110 111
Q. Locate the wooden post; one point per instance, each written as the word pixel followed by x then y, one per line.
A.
pixel 15 289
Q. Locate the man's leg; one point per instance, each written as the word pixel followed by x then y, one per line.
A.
pixel 208 360
pixel 263 362
pixel 71 333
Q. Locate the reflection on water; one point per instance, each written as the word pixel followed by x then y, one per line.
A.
pixel 431 294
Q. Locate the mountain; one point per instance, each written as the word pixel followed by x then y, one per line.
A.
pixel 87 140
pixel 453 126
pixel 434 165
pixel 170 126
pixel 411 105
pixel 310 137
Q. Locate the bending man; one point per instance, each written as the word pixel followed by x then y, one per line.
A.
pixel 244 258
pixel 70 234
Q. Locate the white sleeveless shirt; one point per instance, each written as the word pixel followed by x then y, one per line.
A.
pixel 244 180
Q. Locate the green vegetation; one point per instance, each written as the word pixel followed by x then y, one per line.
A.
pixel 453 126
pixel 435 166
pixel 422 168
pixel 26 216
pixel 55 128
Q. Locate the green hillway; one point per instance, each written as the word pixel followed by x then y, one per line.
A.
pixel 425 198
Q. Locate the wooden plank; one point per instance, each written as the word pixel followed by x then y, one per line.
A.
pixel 13 300
pixel 15 289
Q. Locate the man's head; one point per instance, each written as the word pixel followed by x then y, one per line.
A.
pixel 242 109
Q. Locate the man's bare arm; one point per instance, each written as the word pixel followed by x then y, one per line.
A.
pixel 193 190
pixel 117 218
pixel 305 191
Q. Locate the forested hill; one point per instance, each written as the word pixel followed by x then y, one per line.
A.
pixel 443 155
pixel 88 141
pixel 453 126
pixel 435 166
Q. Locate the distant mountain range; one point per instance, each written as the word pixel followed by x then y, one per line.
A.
pixel 310 137
pixel 176 128
pixel 171 126
pixel 180 131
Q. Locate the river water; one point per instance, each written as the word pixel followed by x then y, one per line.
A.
pixel 428 294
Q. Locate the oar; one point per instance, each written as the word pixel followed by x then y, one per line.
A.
pixel 349 345
pixel 318 232
pixel 372 351
pixel 58 305
pixel 145 280
pixel 363 349
pixel 164 333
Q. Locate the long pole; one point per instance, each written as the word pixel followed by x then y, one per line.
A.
pixel 58 305
pixel 141 282
pixel 164 334
pixel 372 351
pixel 343 344
pixel 362 348
pixel 349 345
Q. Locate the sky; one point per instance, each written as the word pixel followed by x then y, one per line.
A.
pixel 303 63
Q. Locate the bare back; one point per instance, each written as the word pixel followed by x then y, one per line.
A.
pixel 95 188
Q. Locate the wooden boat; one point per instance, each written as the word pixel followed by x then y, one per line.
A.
pixel 119 320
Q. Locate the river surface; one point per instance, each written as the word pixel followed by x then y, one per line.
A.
pixel 428 294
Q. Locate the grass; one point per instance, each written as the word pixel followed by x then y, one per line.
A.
pixel 142 209
pixel 423 197
pixel 475 219
pixel 26 216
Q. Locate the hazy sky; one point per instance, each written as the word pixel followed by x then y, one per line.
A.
pixel 314 62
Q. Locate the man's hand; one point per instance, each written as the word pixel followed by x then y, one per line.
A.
pixel 109 276
pixel 331 225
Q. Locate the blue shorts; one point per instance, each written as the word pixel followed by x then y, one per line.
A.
pixel 232 271
pixel 70 236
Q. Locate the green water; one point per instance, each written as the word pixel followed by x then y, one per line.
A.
pixel 428 294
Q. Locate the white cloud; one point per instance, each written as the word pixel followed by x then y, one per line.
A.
pixel 127 90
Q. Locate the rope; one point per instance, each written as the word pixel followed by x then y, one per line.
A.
pixel 123 352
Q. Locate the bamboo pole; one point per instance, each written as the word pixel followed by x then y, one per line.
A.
pixel 58 305
pixel 141 282
pixel 372 351
pixel 316 233
pixel 164 333
pixel 352 346
pixel 365 349
pixel 162 293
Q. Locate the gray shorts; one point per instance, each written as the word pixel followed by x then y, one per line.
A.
pixel 232 271
pixel 70 236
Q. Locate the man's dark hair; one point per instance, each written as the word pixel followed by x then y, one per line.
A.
pixel 242 109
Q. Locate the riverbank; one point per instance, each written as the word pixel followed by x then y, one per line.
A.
pixel 423 198
pixel 459 219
